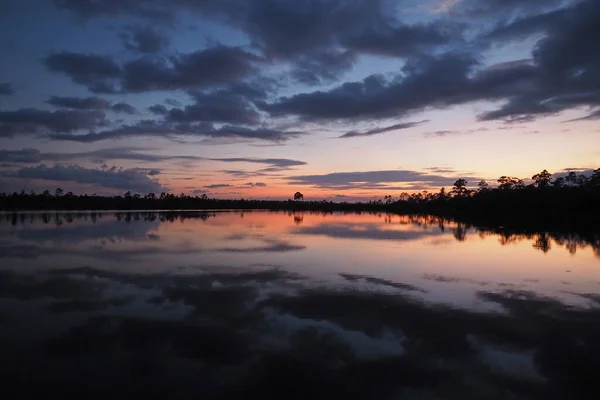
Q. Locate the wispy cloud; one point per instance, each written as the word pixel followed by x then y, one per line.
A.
pixel 385 129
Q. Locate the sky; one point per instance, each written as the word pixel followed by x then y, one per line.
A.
pixel 338 99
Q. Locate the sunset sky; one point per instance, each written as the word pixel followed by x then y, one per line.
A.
pixel 339 99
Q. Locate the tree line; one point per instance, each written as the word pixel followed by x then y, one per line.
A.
pixel 570 199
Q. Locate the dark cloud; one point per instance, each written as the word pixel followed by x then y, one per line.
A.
pixel 373 179
pixel 96 72
pixel 156 10
pixel 377 131
pixel 305 31
pixel 225 105
pixel 318 42
pixel 218 186
pixel 169 130
pixel 144 39
pixel 427 82
pixel 124 108
pixel 6 89
pixel 256 184
pixel 560 76
pixel 34 156
pixel 203 68
pixel 173 102
pixel 79 103
pixel 285 28
pixel 132 180
pixel 275 162
pixel 323 67
pixel 158 109
pixel 525 26
pixel 91 103
pixel 505 8
pixel 566 64
pixel 20 156
pixel 32 120
pixel 402 40
pixel 30 156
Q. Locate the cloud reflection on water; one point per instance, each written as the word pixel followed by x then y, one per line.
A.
pixel 223 325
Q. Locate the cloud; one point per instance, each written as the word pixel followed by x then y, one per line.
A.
pixel 427 81
pixel 168 130
pixel 441 170
pixel 289 30
pixel 275 162
pixel 173 102
pixel 525 26
pixel 375 180
pixel 91 103
pixel 144 39
pixel 401 40
pixel 591 116
pixel 158 11
pixel 451 132
pixel 32 120
pixel 129 179
pixel 317 43
pixel 203 68
pixel 20 156
pixel 384 129
pixel 218 186
pixel 502 8
pixel 158 109
pixel 79 103
pixel 97 73
pixel 530 88
pixel 34 156
pixel 200 69
pixel 230 105
pixel 6 89
pixel 323 67
pixel 257 184
pixel 124 108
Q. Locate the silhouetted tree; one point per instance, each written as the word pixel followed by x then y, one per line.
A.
pixel 58 192
pixel 595 179
pixel 507 183
pixel 298 196
pixel 460 188
pixel 559 182
pixel 542 179
pixel 483 186
pixel 571 179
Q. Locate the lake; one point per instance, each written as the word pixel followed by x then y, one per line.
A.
pixel 263 304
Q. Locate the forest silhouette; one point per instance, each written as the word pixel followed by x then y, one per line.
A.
pixel 572 200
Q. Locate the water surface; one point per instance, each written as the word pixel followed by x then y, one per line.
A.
pixel 253 304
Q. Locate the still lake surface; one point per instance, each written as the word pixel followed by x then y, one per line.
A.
pixel 260 304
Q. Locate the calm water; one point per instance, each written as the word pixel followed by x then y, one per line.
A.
pixel 261 304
